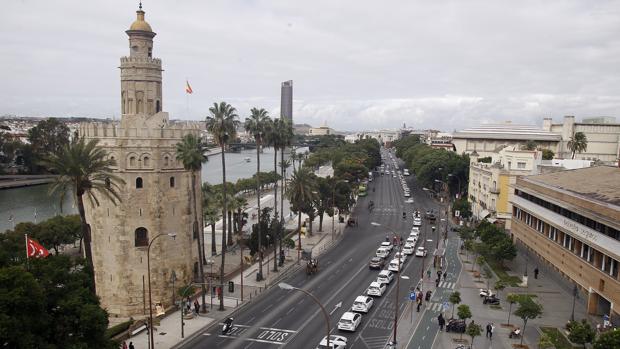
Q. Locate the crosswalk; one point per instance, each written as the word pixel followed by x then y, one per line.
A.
pixel 434 306
pixel 447 284
pixel 375 342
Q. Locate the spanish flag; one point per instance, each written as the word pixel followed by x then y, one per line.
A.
pixel 188 88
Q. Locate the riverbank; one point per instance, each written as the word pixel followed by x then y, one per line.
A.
pixel 19 181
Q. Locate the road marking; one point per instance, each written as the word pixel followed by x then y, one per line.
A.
pixel 290 310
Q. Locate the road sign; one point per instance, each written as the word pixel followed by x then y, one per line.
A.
pixel 412 296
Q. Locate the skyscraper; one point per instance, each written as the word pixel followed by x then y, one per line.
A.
pixel 286 100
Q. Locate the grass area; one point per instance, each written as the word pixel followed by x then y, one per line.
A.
pixel 500 271
pixel 557 338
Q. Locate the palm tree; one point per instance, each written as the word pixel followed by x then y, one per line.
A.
pixel 256 125
pixel 222 124
pixel 191 152
pixel 578 143
pixel 84 169
pixel 273 139
pixel 301 191
pixel 210 208
pixel 293 158
pixel 285 130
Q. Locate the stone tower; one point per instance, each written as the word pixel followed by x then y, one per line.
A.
pixel 155 197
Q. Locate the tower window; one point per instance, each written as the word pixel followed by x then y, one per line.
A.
pixel 166 161
pixel 157 107
pixel 171 182
pixel 138 182
pixel 142 237
pixel 132 161
pixel 150 52
pixel 145 161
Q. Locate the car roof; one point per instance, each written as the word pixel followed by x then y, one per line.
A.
pixel 383 272
pixel 361 298
pixel 349 315
pixel 374 283
pixel 375 258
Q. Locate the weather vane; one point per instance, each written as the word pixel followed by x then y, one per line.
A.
pixel 140 5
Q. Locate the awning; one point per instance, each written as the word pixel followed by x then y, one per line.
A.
pixel 492 219
pixel 484 214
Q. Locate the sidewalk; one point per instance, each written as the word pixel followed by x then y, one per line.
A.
pixel 168 332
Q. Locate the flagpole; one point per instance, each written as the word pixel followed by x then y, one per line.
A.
pixel 27 258
pixel 186 97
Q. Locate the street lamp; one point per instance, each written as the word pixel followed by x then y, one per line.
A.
pixel 148 267
pixel 400 256
pixel 286 286
pixel 575 295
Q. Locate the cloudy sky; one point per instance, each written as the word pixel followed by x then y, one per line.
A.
pixel 356 64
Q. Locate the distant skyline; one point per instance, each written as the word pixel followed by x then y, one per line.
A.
pixel 356 64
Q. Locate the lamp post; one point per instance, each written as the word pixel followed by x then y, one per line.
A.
pixel 286 286
pixel 575 294
pixel 210 262
pixel 148 267
pixel 398 288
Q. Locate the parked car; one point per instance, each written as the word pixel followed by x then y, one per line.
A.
pixel 492 300
pixel 456 325
pixel 420 252
pixel 407 194
pixel 409 201
pixel 385 277
pixel 408 249
pixel 411 240
pixel 417 222
pixel 394 265
pixel 402 256
pixel 376 289
pixel 376 263
pixel 335 342
pixel 486 292
pixel 387 245
pixel 362 304
pixel 415 230
pixel 349 321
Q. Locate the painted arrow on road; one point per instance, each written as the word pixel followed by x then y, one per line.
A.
pixel 336 308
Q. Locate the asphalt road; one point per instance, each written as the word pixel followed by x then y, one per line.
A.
pixel 281 318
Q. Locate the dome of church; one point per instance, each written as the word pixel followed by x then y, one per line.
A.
pixel 140 23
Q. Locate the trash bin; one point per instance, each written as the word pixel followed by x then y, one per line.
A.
pixel 231 286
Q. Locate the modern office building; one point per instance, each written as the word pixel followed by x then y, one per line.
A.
pixel 286 100
pixel 571 220
pixel 603 134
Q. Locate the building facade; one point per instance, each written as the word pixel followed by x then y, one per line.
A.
pixel 603 134
pixel 155 198
pixel 571 220
pixel 286 100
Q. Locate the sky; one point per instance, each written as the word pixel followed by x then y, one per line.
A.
pixel 356 64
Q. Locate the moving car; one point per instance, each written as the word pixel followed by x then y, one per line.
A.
pixel 362 304
pixel 402 256
pixel 349 321
pixel 394 265
pixel 407 194
pixel 385 277
pixel 409 201
pixel 417 221
pixel 335 342
pixel 387 245
pixel 415 229
pixel 420 252
pixel 411 240
pixel 376 289
pixel 408 249
pixel 376 263
pixel 382 252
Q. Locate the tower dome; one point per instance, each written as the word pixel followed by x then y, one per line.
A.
pixel 140 24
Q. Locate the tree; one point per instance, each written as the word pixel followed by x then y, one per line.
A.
pixel 473 330
pixel 191 152
pixel 300 192
pixel 463 206
pixel 256 125
pixel 609 339
pixel 528 309
pixel 455 298
pixel 464 313
pixel 84 169
pixel 511 298
pixel 58 230
pixel 530 145
pixel 210 210
pixel 578 143
pixel 499 286
pixel 581 333
pixel 222 124
pixel 286 135
pixel 48 136
pixel 547 154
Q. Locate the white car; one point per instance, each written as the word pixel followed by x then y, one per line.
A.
pixel 408 249
pixel 407 194
pixel 415 229
pixel 376 289
pixel 486 293
pixel 382 252
pixel 411 240
pixel 414 235
pixel 420 252
pixel 417 222
pixel 349 321
pixel 335 342
pixel 362 304
pixel 385 277
pixel 394 265
pixel 388 245
pixel 409 201
pixel 403 257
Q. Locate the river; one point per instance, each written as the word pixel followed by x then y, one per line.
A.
pixel 30 204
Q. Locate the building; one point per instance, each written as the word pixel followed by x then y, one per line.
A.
pixel 155 198
pixel 603 134
pixel 571 220
pixel 488 139
pixel 323 130
pixel 286 100
pixel 489 183
pixel 385 137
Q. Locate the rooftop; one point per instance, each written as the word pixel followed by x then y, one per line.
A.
pixel 599 183
pixel 508 131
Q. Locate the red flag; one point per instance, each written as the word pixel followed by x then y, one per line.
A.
pixel 34 249
pixel 188 88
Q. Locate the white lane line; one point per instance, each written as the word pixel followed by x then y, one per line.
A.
pixel 253 340
pixel 290 310
pixel 277 329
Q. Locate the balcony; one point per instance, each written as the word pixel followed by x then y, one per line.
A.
pixel 494 190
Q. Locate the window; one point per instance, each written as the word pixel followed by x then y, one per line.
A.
pixel 146 161
pixel 132 161
pixel 553 233
pixel 138 182
pixel 150 52
pixel 157 107
pixel 166 161
pixel 521 165
pixel 142 237
pixel 568 241
pixel 171 182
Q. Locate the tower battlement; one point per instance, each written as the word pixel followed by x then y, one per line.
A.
pixel 138 59
pixel 102 130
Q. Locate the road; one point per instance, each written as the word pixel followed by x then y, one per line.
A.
pixel 281 318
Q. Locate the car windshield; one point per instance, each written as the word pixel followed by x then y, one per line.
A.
pixel 345 321
pixel 358 303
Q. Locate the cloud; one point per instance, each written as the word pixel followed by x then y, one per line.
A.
pixel 356 64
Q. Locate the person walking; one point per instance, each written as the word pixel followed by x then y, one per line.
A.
pixel 492 330
pixel 536 273
pixel 196 306
pixel 441 321
pixel 488 332
pixel 124 346
pixel 131 345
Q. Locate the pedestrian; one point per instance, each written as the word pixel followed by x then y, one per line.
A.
pixel 124 346
pixel 439 274
pixel 437 282
pixel 131 345
pixel 492 329
pixel 196 306
pixel 419 305
pixel 444 276
pixel 536 273
pixel 441 321
pixel 428 273
pixel 488 333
